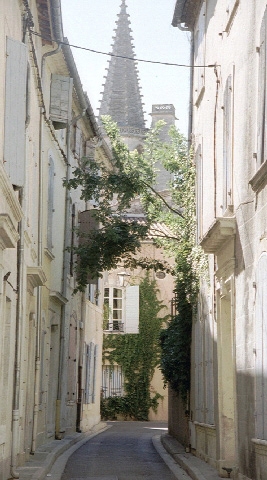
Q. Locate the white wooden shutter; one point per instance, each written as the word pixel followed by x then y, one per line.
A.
pixel 261 354
pixel 261 117
pixel 132 309
pixel 227 144
pixel 15 111
pixel 78 142
pixel 87 379
pixel 50 203
pixel 200 55
pixel 60 100
pixel 94 373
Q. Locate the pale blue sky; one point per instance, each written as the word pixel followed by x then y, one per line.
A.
pixel 91 24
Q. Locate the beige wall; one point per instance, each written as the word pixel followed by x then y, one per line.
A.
pixel 231 40
pixel 43 326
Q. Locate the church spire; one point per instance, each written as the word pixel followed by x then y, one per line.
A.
pixel 121 98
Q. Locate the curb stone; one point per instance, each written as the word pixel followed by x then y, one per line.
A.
pixel 54 455
pixel 196 468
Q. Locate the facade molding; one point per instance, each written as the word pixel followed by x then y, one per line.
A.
pixel 58 297
pixel 8 194
pixel 8 233
pixel 259 180
pixel 35 278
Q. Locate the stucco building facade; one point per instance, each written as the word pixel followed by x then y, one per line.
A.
pixel 228 93
pixel 50 341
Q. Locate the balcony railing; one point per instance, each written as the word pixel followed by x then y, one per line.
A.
pixel 115 326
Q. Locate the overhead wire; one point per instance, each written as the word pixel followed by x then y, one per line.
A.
pixel 110 54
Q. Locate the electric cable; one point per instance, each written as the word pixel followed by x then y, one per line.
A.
pixel 122 56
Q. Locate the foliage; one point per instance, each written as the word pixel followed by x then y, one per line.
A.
pixel 119 239
pixel 190 265
pixel 138 355
pixel 113 187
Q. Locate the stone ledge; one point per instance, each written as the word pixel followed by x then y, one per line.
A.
pixel 8 233
pixel 223 229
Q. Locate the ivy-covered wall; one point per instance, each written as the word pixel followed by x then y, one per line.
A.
pixel 139 355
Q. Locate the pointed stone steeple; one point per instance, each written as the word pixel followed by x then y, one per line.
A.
pixel 121 98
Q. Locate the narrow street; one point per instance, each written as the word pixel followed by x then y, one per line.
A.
pixel 123 452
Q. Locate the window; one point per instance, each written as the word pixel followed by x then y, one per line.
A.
pixel 199 82
pixel 260 350
pixel 199 188
pixel 227 144
pixel 60 100
pixel 112 381
pixel 121 309
pixel 262 104
pixel 113 307
pixel 91 357
pixel 15 111
pixel 50 203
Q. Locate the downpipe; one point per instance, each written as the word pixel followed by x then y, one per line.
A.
pixel 15 410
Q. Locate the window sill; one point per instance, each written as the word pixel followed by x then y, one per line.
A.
pixel 258 441
pixel 200 96
pixel 259 180
pixel 231 16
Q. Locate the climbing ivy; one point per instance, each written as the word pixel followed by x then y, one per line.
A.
pixel 138 355
pixel 190 266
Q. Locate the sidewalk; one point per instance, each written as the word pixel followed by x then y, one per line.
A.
pixel 196 469
pixel 50 459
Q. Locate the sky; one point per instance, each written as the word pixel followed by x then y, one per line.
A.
pixel 91 24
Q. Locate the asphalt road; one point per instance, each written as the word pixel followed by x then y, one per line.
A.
pixel 123 452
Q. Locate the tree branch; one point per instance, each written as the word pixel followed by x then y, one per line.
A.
pixel 163 200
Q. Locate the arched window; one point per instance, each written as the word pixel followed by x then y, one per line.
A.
pixel 261 348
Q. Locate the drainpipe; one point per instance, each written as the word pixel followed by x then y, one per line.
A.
pixel 15 410
pixel 62 346
pixel 40 262
pixel 185 28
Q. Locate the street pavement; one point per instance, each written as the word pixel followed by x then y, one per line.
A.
pixel 117 451
pixel 124 451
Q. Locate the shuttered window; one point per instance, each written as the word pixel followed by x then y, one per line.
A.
pixel 261 350
pixel 199 188
pixel 91 358
pixel 60 100
pixel 199 73
pixel 15 111
pixel 122 309
pixel 262 104
pixel 227 144
pixel 50 203
pixel 132 309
